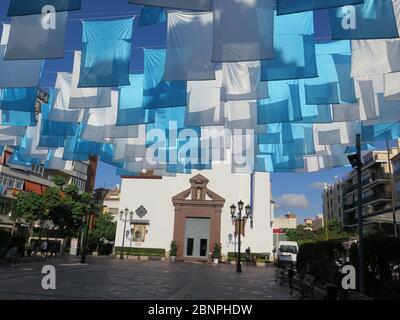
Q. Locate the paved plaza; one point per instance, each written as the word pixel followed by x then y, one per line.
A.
pixel 111 278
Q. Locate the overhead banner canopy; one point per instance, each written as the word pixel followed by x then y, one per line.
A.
pixel 293 6
pixel 202 5
pixel 23 7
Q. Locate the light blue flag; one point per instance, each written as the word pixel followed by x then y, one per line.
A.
pixel 152 15
pixel 23 7
pixel 373 19
pixel 277 133
pixel 379 132
pixel 130 104
pixel 55 128
pixel 19 73
pixel 283 105
pixel 263 163
pixel 334 84
pixel 69 149
pixel 86 147
pixel 292 6
pixel 18 118
pixel 294 46
pixel 158 93
pixel 51 142
pixel 202 5
pixel 106 53
pixel 19 159
pixel 18 99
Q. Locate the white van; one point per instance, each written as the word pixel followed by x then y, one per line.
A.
pixel 285 253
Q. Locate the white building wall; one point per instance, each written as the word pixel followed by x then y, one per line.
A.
pixel 156 197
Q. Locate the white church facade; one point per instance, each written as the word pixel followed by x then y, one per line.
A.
pixel 194 211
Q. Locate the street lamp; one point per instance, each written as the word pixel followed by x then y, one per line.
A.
pixel 237 217
pixel 123 216
pixel 356 162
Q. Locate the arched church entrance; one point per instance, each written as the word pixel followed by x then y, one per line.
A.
pixel 197 226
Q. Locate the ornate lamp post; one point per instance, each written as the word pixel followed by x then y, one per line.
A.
pixel 123 216
pixel 237 217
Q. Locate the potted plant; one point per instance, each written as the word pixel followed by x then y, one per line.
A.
pixel 173 250
pixel 216 253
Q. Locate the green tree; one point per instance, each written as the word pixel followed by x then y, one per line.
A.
pixel 59 181
pixel 105 228
pixel 30 207
pixel 67 208
pixel 300 235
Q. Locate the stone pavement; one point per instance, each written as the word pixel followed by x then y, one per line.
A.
pixel 111 278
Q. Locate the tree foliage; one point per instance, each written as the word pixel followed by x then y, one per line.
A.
pixel 104 229
pixel 333 231
pixel 30 207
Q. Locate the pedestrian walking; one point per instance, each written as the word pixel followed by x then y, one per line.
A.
pixel 36 249
pixel 44 248
pixel 30 249
pixel 12 256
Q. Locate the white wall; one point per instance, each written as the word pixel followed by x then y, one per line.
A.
pixel 156 197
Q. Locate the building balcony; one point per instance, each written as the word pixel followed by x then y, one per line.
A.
pixel 374 179
pixel 375 198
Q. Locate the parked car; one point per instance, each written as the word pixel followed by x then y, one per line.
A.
pixel 285 253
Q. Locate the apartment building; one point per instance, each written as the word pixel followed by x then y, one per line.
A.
pixel 333 201
pixel 376 186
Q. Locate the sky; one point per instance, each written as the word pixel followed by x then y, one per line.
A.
pixel 297 193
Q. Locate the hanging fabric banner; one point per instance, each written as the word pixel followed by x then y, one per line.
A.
pixel 249 41
pixel 106 53
pixel 294 46
pixel 18 99
pixel 293 6
pixel 334 83
pixel 242 81
pixel 372 19
pixel 39 36
pixel 17 118
pixel 23 7
pixel 60 110
pixel 130 105
pixel 19 74
pixel 157 92
pixel 101 124
pixel 189 46
pixel 82 98
pixel 152 15
pixel 202 5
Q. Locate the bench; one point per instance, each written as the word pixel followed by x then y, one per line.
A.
pixel 304 284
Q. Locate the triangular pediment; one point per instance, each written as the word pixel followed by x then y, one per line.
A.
pixel 198 193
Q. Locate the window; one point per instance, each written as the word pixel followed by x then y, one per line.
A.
pixel 37 171
pixel 10 182
pixel 79 183
pixel 80 167
pixel 288 249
